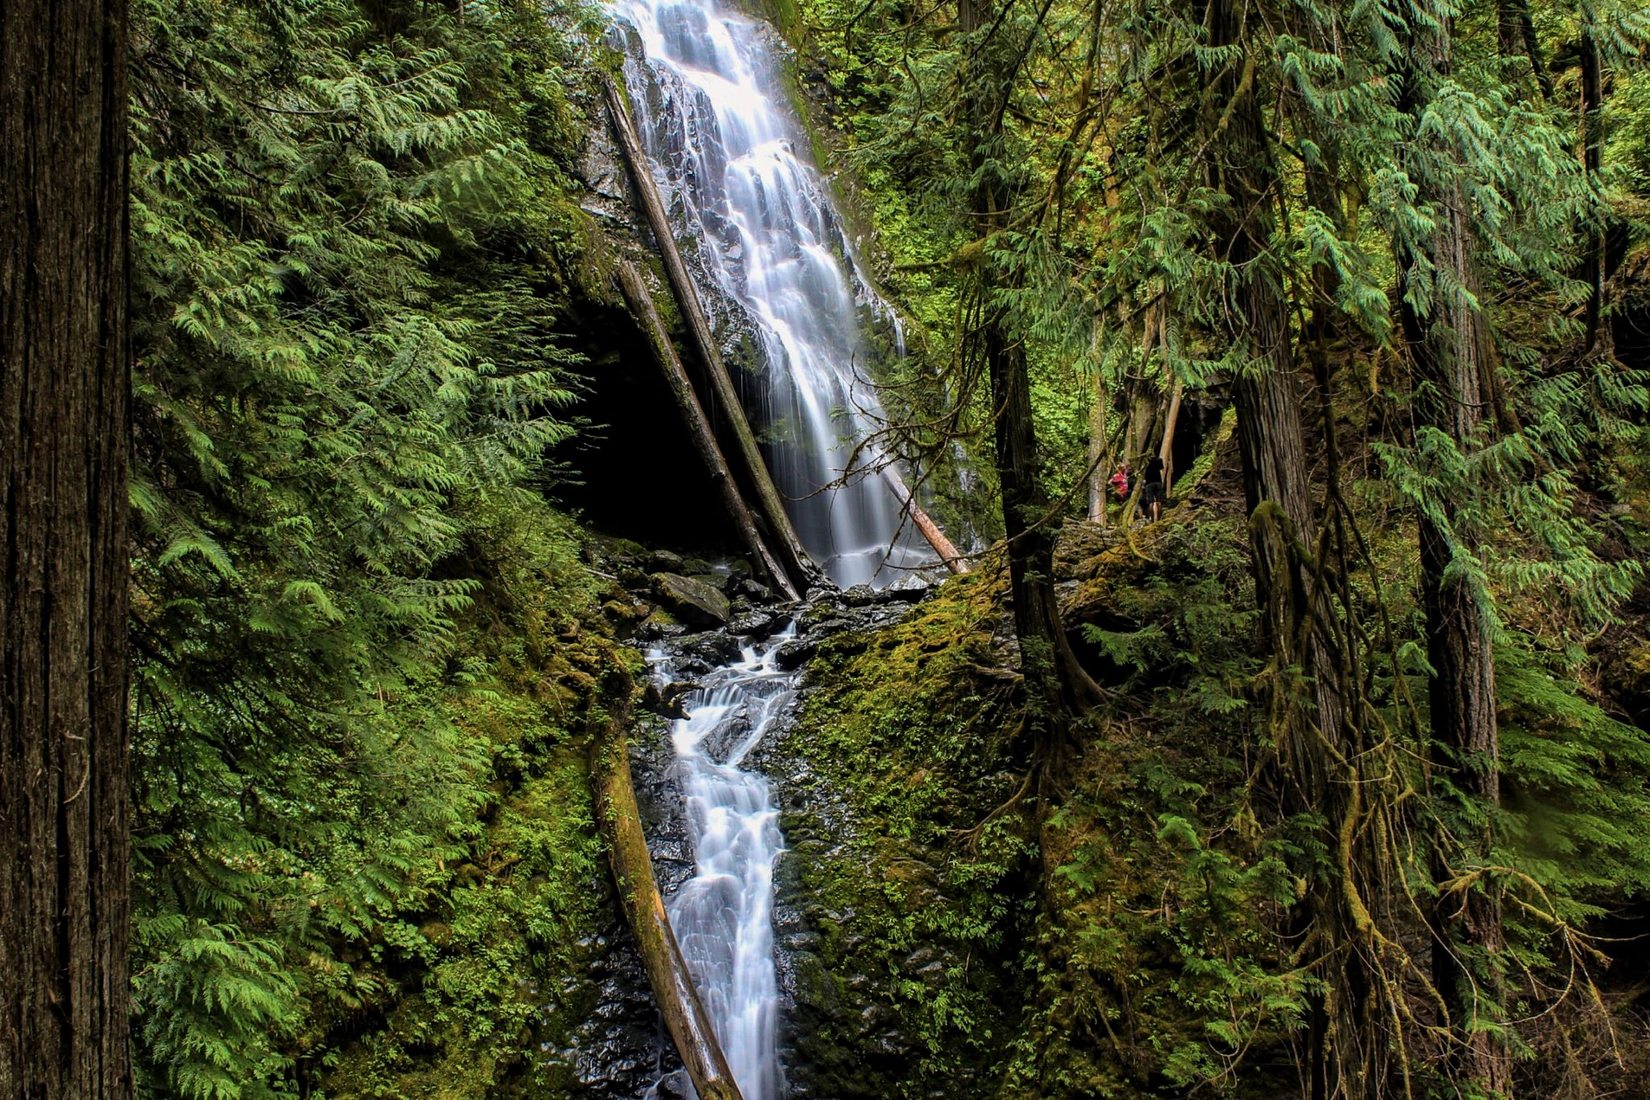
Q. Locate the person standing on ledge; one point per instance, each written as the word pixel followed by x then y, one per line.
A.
pixel 1155 492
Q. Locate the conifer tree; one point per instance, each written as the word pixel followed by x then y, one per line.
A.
pixel 1054 681
pixel 1446 336
pixel 64 438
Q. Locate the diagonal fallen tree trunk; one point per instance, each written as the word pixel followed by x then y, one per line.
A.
pixel 785 542
pixel 640 301
pixel 621 825
pixel 924 523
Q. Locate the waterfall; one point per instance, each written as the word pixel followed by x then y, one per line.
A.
pixel 765 235
pixel 757 222
pixel 722 916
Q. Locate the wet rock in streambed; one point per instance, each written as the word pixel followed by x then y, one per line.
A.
pixel 796 652
pixel 758 622
pixel 711 649
pixel 863 595
pixel 665 700
pixel 692 601
pixel 752 589
pixel 658 625
pixel 665 561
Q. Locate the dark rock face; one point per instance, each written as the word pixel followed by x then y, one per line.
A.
pixel 619 1049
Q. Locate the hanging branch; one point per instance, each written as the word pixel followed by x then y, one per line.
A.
pixel 924 523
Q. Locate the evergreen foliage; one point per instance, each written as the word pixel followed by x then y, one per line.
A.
pixel 354 242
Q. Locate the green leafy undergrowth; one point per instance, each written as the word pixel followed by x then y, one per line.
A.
pixel 391 905
pixel 1159 968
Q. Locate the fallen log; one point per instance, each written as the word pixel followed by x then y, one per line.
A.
pixel 785 542
pixel 620 822
pixel 924 523
pixel 641 305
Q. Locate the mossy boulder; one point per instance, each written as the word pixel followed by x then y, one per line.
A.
pixel 692 601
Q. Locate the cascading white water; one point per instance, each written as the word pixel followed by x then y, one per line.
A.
pixel 757 214
pixel 722 916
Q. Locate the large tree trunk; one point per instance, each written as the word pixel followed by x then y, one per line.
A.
pixel 1448 342
pixel 1049 667
pixel 64 436
pixel 1348 1047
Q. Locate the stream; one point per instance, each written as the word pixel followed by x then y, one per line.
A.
pixel 766 242
pixel 723 915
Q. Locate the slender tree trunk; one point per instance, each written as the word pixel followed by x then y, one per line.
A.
pixel 1052 675
pixel 1447 341
pixel 1170 419
pixel 1592 155
pixel 949 555
pixel 1515 36
pixel 1445 349
pixel 64 437
pixel 1099 410
pixel 1099 461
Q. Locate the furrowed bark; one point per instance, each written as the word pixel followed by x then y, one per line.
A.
pixel 798 567
pixel 693 415
pixel 64 440
pixel 1349 1051
pixel 621 825
pixel 1448 342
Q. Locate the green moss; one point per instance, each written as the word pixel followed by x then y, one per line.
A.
pixel 922 932
pixel 487 968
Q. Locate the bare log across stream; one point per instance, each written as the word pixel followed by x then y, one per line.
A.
pixel 621 826
pixel 785 543
pixel 640 301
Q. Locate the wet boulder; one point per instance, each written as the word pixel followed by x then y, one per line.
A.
pixel 703 652
pixel 757 622
pixel 690 600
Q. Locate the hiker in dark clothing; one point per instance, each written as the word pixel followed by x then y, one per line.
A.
pixel 1155 492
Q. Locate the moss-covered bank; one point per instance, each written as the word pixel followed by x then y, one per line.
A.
pixel 952 936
